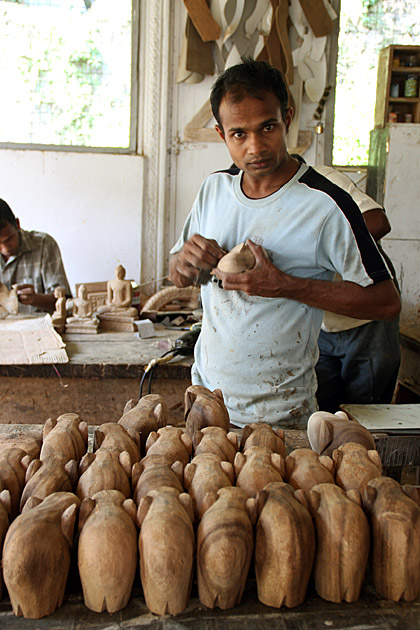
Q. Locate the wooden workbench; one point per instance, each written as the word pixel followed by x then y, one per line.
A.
pixel 103 373
pixel 409 375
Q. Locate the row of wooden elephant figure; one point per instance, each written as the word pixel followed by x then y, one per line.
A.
pixel 297 515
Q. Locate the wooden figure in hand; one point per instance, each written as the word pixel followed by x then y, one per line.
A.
pixel 224 547
pixel 107 550
pixel 153 472
pixel 117 313
pixel 83 319
pixel 327 431
pixel 13 466
pixel 342 542
pixel 204 408
pixel 206 473
pixel 166 545
pixel 304 469
pixel 261 434
pixel 172 443
pixel 36 554
pixel 284 546
pixel 215 440
pixel 257 467
pixel 148 414
pixel 355 466
pixel 68 435
pixel 106 469
pixel 395 524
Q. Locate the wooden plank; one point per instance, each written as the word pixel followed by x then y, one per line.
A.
pixel 401 418
pixel 204 22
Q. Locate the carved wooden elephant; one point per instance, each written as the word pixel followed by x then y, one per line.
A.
pixel 106 469
pixel 55 474
pixel 206 473
pixel 114 436
pixel 172 443
pixel 166 546
pixel 204 408
pixel 68 435
pixel 257 467
pixel 284 546
pixel 224 547
pixel 148 414
pixel 328 431
pixel 305 468
pixel 36 554
pixel 107 550
pixel 262 434
pixel 355 466
pixel 343 538
pixel 153 472
pixel 216 440
pixel 13 466
pixel 395 524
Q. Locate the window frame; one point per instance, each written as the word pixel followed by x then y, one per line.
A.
pixel 134 106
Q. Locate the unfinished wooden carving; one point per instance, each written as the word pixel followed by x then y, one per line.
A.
pixel 261 434
pixel 116 436
pixel 106 469
pixel 257 467
pixel 355 466
pixel 284 547
pixel 36 555
pixel 305 468
pixel 9 303
pixel 204 408
pixel 5 516
pixel 395 523
pixel 327 431
pixel 238 260
pixel 45 477
pixel 60 313
pixel 172 443
pixel 67 435
pixel 342 547
pixel 224 547
pixel 107 550
pixel 172 299
pixel 206 473
pixel 117 313
pixel 215 440
pixel 153 472
pixel 148 414
pixel 82 320
pixel 166 546
pixel 13 466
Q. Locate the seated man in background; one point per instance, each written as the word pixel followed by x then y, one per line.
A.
pixel 31 260
pixel 358 359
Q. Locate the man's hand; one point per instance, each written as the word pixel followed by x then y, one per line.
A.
pixel 27 295
pixel 264 279
pixel 198 254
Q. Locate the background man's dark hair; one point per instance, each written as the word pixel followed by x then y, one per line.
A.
pixel 248 78
pixel 6 215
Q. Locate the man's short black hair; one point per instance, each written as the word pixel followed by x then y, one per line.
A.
pixel 6 215
pixel 249 78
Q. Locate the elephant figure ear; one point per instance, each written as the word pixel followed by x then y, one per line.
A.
pixel 131 509
pixel 251 508
pixel 144 505
pixel 86 509
pixel 48 425
pixel 68 521
pixel 246 432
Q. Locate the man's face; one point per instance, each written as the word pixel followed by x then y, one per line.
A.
pixel 9 241
pixel 255 133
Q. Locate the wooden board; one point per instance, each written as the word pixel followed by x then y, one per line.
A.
pixel 394 418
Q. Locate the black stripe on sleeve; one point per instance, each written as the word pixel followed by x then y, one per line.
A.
pixel 371 258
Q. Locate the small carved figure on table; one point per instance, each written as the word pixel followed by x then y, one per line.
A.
pixel 83 320
pixel 117 313
pixel 60 314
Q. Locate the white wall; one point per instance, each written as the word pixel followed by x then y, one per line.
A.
pixel 90 203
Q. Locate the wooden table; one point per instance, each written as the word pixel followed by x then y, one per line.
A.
pixel 103 373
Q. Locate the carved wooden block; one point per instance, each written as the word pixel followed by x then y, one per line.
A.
pixel 5 515
pixel 284 547
pixel 115 436
pixel 206 473
pixel 355 466
pixel 215 440
pixel 172 443
pixel 43 478
pixel 328 431
pixel 261 434
pixel 13 465
pixel 148 414
pixel 67 435
pixel 204 408
pixel 36 555
pixel 153 472
pixel 305 468
pixel 395 525
pixel 257 467
pixel 107 550
pixel 106 469
pixel 166 546
pixel 224 548
pixel 342 542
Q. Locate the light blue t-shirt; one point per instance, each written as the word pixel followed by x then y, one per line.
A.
pixel 261 352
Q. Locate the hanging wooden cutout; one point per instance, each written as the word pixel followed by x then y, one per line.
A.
pixel 206 25
pixel 317 16
pixel 196 130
